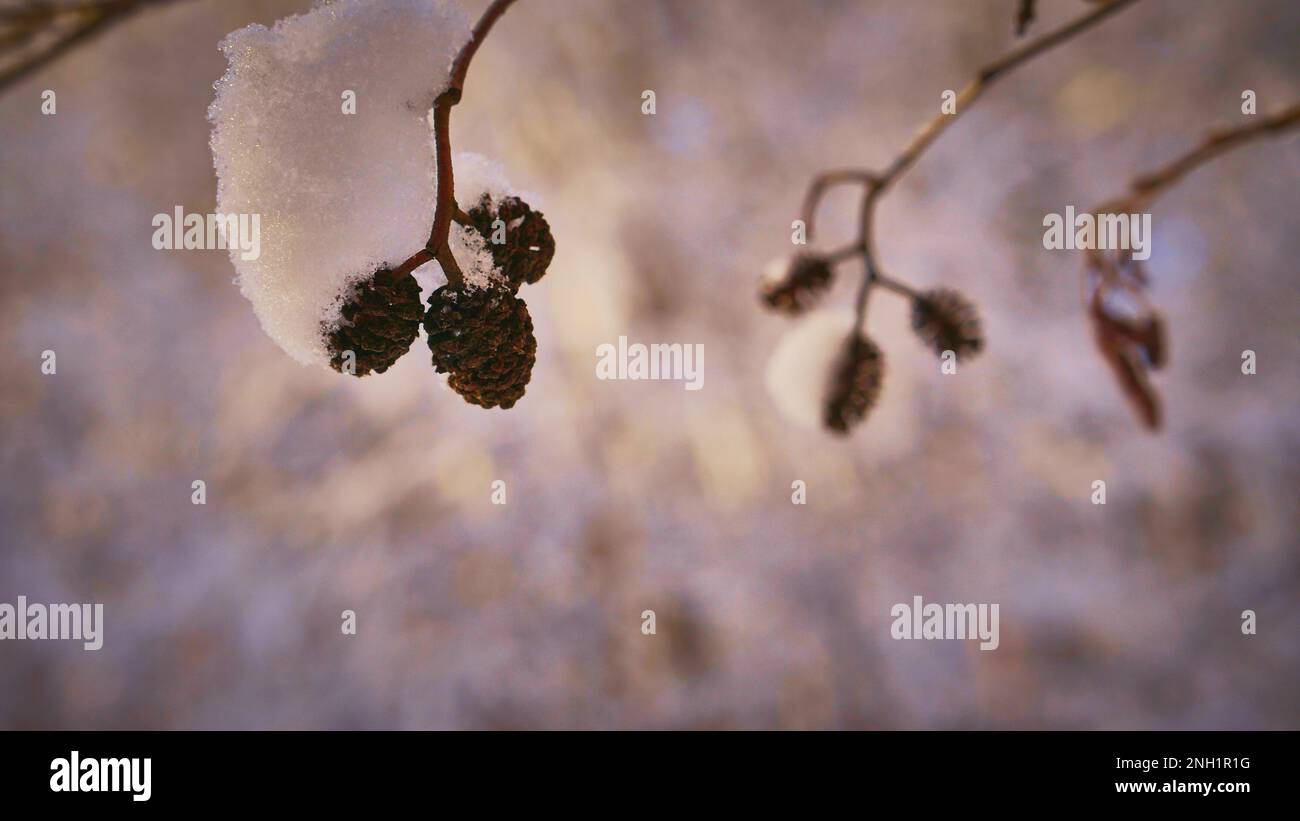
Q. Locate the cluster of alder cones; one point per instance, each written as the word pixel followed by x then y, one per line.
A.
pixel 943 318
pixel 482 337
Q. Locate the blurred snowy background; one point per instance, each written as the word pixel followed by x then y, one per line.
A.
pixel 327 493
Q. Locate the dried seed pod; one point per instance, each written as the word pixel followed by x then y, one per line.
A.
pixel 1132 348
pixel 484 339
pixel 854 385
pixel 792 286
pixel 526 246
pixel 379 320
pixel 502 381
pixel 946 321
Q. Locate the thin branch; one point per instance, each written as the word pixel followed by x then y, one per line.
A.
pixel 1024 16
pixel 484 25
pixel 414 261
pixel 817 188
pixel 43 12
pixel 846 252
pixel 1133 347
pixel 877 184
pixel 1149 186
pixel 986 77
pixel 894 285
pixel 30 21
pixel 446 197
pixel 868 250
pixel 446 204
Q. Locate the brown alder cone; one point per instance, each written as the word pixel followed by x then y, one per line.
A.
pixel 855 384
pixel 484 339
pixel 379 321
pixel 799 286
pixel 527 247
pixel 947 321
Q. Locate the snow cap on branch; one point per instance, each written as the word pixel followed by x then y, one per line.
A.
pixel 340 194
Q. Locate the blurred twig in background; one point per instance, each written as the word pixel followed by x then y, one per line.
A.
pixel 984 78
pixel 1129 331
pixel 1024 16
pixel 35 33
pixel 943 318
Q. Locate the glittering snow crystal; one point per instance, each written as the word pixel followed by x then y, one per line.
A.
pixel 340 194
pixel 476 176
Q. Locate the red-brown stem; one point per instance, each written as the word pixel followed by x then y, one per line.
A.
pixel 446 209
pixel 446 202
pixel 461 64
pixel 413 261
pixel 1148 186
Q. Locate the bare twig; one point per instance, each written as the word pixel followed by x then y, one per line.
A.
pixel 1024 16
pixel 1133 346
pixel 461 64
pixel 876 184
pixel 1145 188
pixel 1150 185
pixel 446 207
pixel 24 24
pixel 986 77
pixel 943 318
pixel 818 187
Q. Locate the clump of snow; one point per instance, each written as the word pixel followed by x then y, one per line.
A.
pixel 474 257
pixel 339 194
pixel 476 176
pixel 799 370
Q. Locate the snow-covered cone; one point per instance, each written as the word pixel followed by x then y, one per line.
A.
pixel 484 338
pixel 854 384
pixel 526 246
pixel 793 285
pixel 320 128
pixel 947 321
pixel 378 322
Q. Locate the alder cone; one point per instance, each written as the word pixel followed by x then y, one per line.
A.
pixel 798 285
pixel 855 383
pixel 379 320
pixel 528 247
pixel 484 339
pixel 947 321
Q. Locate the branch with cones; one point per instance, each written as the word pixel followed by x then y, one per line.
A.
pixel 944 319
